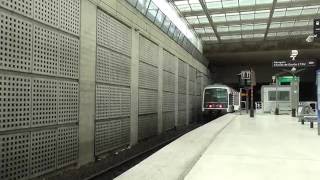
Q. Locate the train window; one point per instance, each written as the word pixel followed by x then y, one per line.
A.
pixel 283 95
pixel 272 95
pixel 216 95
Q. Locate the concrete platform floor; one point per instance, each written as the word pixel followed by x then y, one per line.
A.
pixel 266 147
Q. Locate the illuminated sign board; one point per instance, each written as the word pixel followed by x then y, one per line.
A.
pixel 296 63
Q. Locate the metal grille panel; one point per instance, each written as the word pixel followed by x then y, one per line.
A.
pixel 191 88
pixel 148 51
pixel 182 101
pixel 168 102
pixel 182 118
pixel 14 153
pixel 147 126
pixel 67 146
pixel 169 62
pixel 111 134
pixel 168 120
pixel 45 51
pixel 23 7
pixel 70 16
pixel 43 152
pixel 182 69
pixel 16 43
pixel 15 102
pixel 148 101
pixel 47 12
pixel 182 85
pixel 112 102
pixel 68 102
pixel 113 34
pixel 69 56
pixel 168 81
pixel 192 74
pixel 148 76
pixel 44 102
pixel 112 67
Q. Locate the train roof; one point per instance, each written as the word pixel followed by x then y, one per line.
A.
pixel 217 85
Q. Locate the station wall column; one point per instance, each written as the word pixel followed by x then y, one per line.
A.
pixel 187 96
pixel 160 90
pixel 176 92
pixel 87 82
pixel 134 87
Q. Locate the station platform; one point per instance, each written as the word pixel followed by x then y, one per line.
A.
pixel 266 147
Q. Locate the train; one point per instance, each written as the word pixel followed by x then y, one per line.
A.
pixel 219 98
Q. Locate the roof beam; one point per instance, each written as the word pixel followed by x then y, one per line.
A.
pixel 270 18
pixel 257 21
pixel 253 8
pixel 204 8
pixel 259 31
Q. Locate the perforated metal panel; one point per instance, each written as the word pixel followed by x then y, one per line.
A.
pixel 168 120
pixel 182 85
pixel 182 101
pixel 182 69
pixel 112 102
pixel 23 7
pixel 112 67
pixel 148 76
pixel 191 101
pixel 70 16
pixel 182 118
pixel 113 34
pixel 15 42
pixel 147 126
pixel 44 102
pixel 47 12
pixel 67 146
pixel 169 62
pixel 14 153
pixel 69 56
pixel 68 105
pixel 191 88
pixel 15 102
pixel 45 51
pixel 192 73
pixel 168 81
pixel 148 52
pixel 43 152
pixel 168 103
pixel 111 134
pixel 148 101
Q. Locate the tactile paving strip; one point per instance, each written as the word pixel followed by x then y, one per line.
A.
pixel 67 150
pixel 112 67
pixel 45 51
pixel 147 125
pixel 148 76
pixel 68 105
pixel 113 34
pixel 23 7
pixel 69 56
pixel 70 16
pixel 14 153
pixel 44 102
pixel 148 101
pixel 148 52
pixel 112 102
pixel 43 152
pixel 111 134
pixel 169 81
pixel 15 43
pixel 15 102
pixel 47 11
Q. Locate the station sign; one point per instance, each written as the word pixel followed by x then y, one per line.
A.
pixel 296 63
pixel 316 27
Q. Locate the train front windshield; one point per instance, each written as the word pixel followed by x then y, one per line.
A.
pixel 216 95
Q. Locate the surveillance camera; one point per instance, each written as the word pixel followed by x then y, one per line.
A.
pixel 310 38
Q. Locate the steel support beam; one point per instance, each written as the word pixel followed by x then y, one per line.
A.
pixel 270 19
pixel 204 7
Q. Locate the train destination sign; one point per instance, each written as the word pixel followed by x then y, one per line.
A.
pixel 296 63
